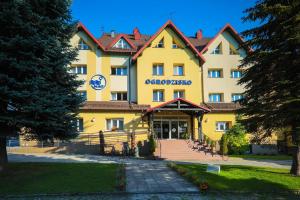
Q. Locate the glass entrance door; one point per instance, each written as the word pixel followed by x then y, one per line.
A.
pixel 165 129
pixel 174 129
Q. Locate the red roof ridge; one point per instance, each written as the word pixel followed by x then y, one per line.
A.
pixel 118 38
pixel 80 25
pixel 169 22
pixel 227 26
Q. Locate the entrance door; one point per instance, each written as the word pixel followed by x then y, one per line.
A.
pixel 174 129
pixel 165 130
pixel 157 128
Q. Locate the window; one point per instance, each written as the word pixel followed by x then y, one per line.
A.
pixel 178 94
pixel 222 126
pixel 122 44
pixel 114 124
pixel 178 70
pixel 80 125
pixel 215 73
pixel 82 45
pixel 218 49
pixel 158 95
pixel 236 97
pixel 83 95
pixel 119 71
pixel 175 45
pixel 160 44
pixel 79 69
pixel 236 74
pixel 119 96
pixel 233 50
pixel 216 97
pixel 158 70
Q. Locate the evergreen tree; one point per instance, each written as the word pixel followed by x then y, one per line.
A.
pixel 272 70
pixel 37 94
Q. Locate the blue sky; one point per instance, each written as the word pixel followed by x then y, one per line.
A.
pixel 148 16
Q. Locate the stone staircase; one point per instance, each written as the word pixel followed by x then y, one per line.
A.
pixel 182 150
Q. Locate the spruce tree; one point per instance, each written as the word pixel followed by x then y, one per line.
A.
pixel 37 94
pixel 272 70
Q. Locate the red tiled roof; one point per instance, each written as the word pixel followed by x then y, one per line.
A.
pixel 223 107
pixel 112 105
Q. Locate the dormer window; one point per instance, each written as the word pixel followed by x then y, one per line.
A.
pixel 122 44
pixel 233 50
pixel 82 45
pixel 218 49
pixel 160 44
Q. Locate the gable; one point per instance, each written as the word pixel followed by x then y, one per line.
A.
pixel 122 44
pixel 80 35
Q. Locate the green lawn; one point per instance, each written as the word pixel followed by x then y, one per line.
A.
pixel 35 178
pixel 242 178
pixel 263 157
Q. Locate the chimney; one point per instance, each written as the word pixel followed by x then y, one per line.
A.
pixel 136 33
pixel 112 33
pixel 199 34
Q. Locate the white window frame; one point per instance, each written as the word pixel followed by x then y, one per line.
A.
pixel 212 73
pixel 160 96
pixel 233 73
pixel 79 69
pixel 176 70
pixel 217 99
pixel 82 45
pixel 235 97
pixel 114 96
pixel 122 44
pixel 110 122
pixel 155 69
pixel 217 50
pixel 223 124
pixel 178 94
pixel 122 70
pixel 78 124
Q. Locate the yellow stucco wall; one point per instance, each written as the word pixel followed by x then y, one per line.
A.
pixel 168 56
pixel 209 124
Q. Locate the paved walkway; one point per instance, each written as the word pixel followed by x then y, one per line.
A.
pixel 14 157
pixel 145 178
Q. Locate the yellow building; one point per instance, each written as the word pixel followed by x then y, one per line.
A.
pixel 168 84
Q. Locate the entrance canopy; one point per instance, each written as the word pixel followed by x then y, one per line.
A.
pixel 179 104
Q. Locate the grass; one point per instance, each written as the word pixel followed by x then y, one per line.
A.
pixel 263 157
pixel 241 178
pixel 46 178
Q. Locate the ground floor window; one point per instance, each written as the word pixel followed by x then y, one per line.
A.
pixel 222 126
pixel 114 124
pixel 80 125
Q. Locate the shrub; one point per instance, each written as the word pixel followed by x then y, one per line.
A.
pixel 224 145
pixel 237 142
pixel 152 145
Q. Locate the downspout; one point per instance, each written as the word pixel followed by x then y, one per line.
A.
pixel 129 79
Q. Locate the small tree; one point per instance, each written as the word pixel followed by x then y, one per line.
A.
pixel 224 144
pixel 152 144
pixel 237 142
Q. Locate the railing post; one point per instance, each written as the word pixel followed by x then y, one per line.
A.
pixel 101 142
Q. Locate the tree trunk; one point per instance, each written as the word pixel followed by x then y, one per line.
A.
pixel 295 169
pixel 3 152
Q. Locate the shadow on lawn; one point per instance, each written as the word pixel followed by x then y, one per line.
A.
pixel 219 183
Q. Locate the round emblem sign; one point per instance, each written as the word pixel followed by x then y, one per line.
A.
pixel 98 82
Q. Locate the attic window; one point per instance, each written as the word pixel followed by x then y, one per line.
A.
pixel 160 44
pixel 233 50
pixel 175 45
pixel 122 44
pixel 82 45
pixel 218 49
